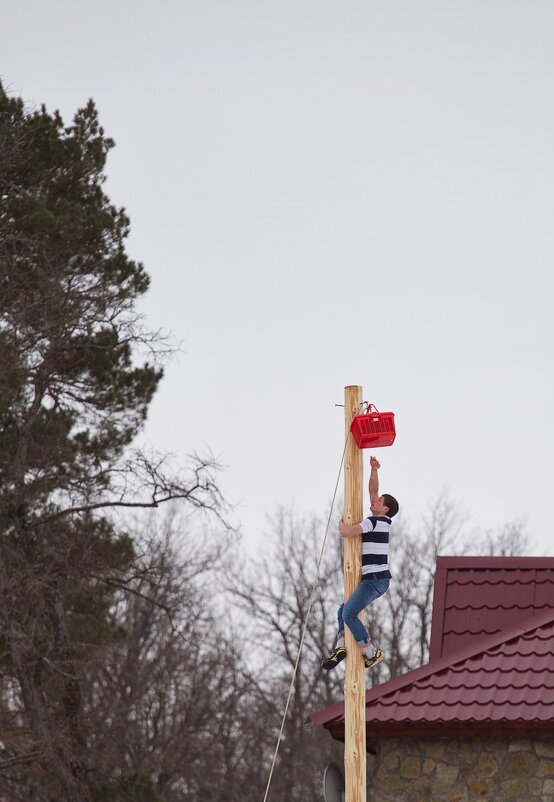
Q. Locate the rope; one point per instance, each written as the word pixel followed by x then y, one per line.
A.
pixel 310 602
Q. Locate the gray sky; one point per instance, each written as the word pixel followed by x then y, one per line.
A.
pixel 331 193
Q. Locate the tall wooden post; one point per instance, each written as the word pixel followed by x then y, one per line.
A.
pixel 354 679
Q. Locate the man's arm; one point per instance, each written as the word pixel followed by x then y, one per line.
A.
pixel 374 479
pixel 349 531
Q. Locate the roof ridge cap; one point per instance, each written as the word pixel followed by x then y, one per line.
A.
pixel 476 561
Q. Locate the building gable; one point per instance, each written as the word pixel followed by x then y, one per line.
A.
pixel 475 597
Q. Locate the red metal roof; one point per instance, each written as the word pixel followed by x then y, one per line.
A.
pixel 478 596
pixel 503 683
pixel 488 675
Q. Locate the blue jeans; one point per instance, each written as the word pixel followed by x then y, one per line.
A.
pixel 367 591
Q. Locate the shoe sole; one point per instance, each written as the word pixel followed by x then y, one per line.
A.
pixel 336 657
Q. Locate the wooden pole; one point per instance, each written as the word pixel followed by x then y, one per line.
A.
pixel 354 678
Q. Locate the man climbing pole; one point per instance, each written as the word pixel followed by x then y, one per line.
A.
pixel 375 572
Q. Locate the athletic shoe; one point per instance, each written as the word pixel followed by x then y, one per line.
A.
pixel 336 656
pixel 372 661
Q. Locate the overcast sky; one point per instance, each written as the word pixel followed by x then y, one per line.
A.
pixel 331 193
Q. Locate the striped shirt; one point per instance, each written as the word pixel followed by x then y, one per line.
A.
pixel 375 546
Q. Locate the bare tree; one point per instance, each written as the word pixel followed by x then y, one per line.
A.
pixel 171 700
pixel 273 597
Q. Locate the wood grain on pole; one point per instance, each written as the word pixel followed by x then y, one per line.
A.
pixel 354 679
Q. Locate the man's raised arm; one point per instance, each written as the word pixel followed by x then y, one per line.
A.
pixel 374 479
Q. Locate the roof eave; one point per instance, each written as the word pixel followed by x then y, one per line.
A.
pixel 450 729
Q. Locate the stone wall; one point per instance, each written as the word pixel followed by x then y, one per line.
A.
pixel 461 770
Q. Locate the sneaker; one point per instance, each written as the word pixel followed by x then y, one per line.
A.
pixel 336 656
pixel 369 662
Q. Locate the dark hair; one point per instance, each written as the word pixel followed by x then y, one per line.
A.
pixel 391 503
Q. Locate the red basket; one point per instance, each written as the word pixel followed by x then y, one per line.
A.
pixel 373 429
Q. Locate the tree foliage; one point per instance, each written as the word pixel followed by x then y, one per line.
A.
pixel 79 373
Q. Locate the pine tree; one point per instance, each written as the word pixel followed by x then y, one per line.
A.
pixel 78 372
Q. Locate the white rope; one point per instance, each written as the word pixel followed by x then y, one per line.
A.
pixel 312 593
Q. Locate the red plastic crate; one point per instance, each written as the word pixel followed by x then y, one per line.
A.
pixel 373 429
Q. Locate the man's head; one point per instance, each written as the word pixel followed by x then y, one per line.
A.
pixel 385 505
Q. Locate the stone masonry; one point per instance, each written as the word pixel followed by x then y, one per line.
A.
pixel 462 770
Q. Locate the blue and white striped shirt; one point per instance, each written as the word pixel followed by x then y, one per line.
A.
pixel 375 546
